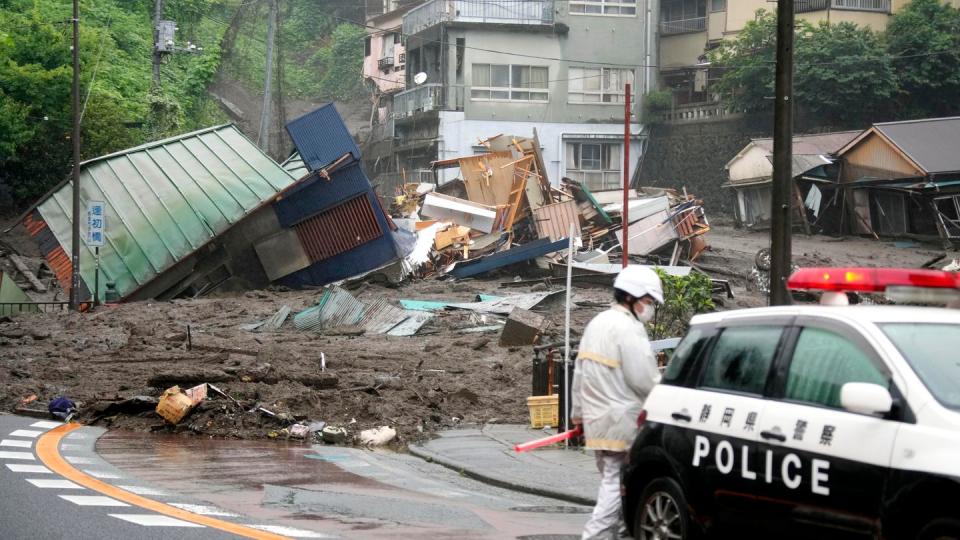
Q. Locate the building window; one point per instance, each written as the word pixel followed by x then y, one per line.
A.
pixel 718 5
pixel 598 85
pixel 366 46
pixel 621 8
pixel 596 164
pixel 509 82
pixel 682 10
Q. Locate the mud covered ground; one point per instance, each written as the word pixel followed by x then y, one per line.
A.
pixel 437 379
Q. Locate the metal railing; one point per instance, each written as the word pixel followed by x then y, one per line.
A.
pixel 683 26
pixel 434 12
pixel 696 112
pixel 9 308
pixel 881 6
pixel 426 98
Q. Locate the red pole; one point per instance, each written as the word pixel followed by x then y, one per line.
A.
pixel 626 175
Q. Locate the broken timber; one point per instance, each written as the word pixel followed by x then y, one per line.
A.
pixel 26 273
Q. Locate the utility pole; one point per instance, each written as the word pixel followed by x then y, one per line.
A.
pixel 625 213
pixel 263 134
pixel 781 218
pixel 157 17
pixel 75 248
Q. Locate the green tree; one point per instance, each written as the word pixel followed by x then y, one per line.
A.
pixel 924 41
pixel 842 75
pixel 342 63
pixel 683 297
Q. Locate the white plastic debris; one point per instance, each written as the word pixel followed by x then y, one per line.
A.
pixel 377 436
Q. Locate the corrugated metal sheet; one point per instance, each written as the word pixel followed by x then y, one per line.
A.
pixel 322 138
pixel 553 220
pixel 338 307
pixel 315 195
pixel 165 200
pixel 339 229
pixel 503 306
pixel 522 253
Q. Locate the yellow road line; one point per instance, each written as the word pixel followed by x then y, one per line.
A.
pixel 48 452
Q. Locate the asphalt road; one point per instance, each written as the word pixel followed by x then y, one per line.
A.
pixel 87 483
pixel 37 503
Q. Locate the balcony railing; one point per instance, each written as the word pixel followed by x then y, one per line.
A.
pixel 880 6
pixel 521 12
pixel 426 98
pixel 683 26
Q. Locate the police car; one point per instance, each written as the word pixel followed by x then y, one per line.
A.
pixel 808 421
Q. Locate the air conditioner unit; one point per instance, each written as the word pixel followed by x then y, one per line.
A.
pixel 386 62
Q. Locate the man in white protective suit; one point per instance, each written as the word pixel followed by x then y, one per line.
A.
pixel 615 371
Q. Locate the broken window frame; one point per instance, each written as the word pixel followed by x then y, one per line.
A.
pixel 513 90
pixel 606 93
pixel 951 226
pixel 608 164
pixel 604 8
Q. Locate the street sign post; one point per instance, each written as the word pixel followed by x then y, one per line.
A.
pixel 96 229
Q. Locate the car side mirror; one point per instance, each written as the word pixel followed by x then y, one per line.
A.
pixel 865 398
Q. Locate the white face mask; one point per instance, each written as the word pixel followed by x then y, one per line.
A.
pixel 646 312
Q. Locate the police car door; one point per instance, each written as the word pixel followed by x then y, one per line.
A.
pixel 722 413
pixel 819 464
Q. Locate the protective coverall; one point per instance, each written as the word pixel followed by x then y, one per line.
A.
pixel 615 371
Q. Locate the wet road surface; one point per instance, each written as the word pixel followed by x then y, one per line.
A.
pixel 338 491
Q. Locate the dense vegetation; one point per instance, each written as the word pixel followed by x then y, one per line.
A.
pixel 319 56
pixel 848 75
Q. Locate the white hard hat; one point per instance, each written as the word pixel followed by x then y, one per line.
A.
pixel 639 281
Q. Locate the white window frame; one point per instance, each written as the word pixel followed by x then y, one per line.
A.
pixel 601 92
pixel 603 6
pixel 615 172
pixel 510 90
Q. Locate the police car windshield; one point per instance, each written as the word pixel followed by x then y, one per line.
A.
pixel 931 350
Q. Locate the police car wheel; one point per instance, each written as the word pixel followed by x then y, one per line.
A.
pixel 663 513
pixel 941 529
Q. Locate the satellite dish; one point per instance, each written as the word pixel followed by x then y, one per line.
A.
pixel 420 78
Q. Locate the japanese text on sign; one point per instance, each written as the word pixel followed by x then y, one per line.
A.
pixel 96 223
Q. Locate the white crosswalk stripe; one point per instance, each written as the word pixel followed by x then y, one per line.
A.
pixel 16 455
pixel 103 475
pixel 26 433
pixel 140 490
pixel 204 510
pixel 53 484
pixel 37 469
pixel 154 520
pixel 289 531
pixel 16 443
pixel 46 424
pixel 93 500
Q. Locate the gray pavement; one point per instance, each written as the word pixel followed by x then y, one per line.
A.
pixel 487 453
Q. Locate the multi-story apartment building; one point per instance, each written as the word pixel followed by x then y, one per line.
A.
pixel 690 28
pixel 477 68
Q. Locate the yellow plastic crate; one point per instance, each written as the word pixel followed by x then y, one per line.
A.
pixel 544 410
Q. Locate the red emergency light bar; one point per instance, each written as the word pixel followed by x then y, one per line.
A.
pixel 875 280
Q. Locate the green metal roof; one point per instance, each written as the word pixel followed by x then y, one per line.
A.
pixel 164 200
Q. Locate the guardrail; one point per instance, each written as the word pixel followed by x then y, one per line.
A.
pixel 426 98
pixel 697 112
pixel 880 6
pixel 683 26
pixel 9 308
pixel 530 12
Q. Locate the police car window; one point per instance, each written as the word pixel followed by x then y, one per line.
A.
pixel 684 354
pixel 931 350
pixel 824 361
pixel 741 359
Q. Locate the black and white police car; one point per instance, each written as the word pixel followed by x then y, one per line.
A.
pixel 808 421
